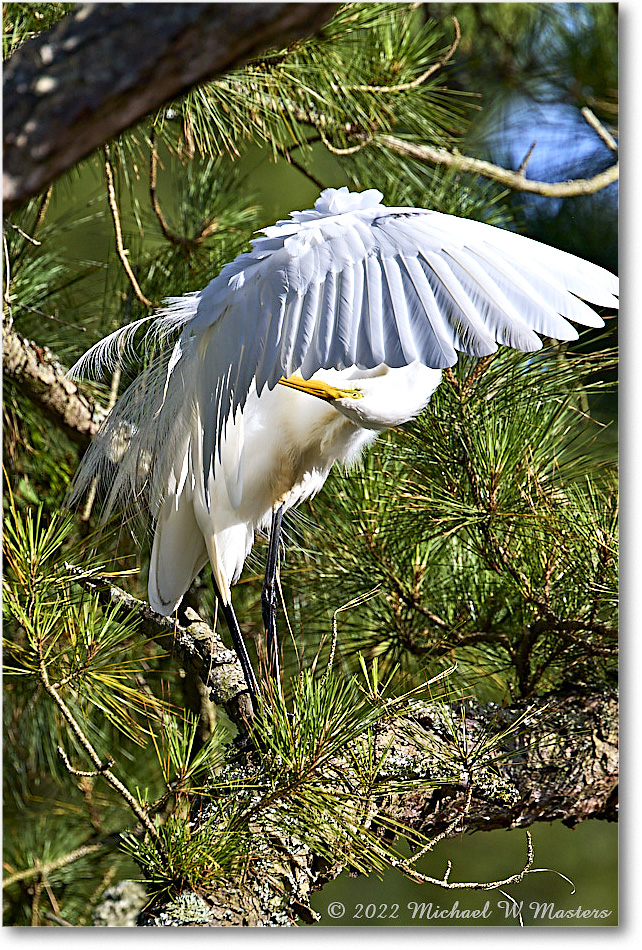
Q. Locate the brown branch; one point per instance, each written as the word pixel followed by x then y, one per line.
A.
pixel 99 71
pixel 209 228
pixel 120 247
pixel 101 767
pixel 350 150
pixel 196 644
pixel 153 195
pixel 286 153
pixel 526 159
pixel 517 181
pixel 595 124
pixel 419 80
pixel 44 381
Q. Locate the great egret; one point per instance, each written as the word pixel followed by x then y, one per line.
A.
pixel 354 303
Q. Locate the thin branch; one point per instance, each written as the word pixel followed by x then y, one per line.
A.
pixel 177 239
pixel 7 281
pixel 301 168
pixel 55 918
pixel 153 195
pixel 351 150
pixel 120 247
pixel 526 159
pixel 445 881
pixel 511 179
pixel 101 767
pixel 24 234
pixel 50 316
pixel 40 870
pixel 79 772
pixel 414 83
pixel 473 885
pixel 595 124
pixel 445 833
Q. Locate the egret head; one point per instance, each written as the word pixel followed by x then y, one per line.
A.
pixel 379 398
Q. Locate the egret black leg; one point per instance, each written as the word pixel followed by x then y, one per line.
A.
pixel 239 646
pixel 269 594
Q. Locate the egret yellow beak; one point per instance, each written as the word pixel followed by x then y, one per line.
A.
pixel 316 387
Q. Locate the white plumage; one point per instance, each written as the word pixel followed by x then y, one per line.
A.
pixel 369 303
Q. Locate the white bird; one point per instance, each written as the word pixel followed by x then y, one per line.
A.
pixel 355 303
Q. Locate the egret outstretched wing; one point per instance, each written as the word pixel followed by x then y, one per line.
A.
pixel 353 283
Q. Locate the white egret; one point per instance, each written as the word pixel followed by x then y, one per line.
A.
pixel 354 303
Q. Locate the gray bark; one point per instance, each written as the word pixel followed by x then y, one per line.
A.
pixel 42 378
pixel 98 72
pixel 563 767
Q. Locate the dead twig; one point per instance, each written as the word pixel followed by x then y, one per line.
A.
pixel 597 126
pixel 120 247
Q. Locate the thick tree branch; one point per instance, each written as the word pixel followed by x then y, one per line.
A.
pixel 561 763
pixel 558 759
pixel 43 379
pixel 96 73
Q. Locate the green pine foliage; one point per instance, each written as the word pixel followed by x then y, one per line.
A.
pixel 476 524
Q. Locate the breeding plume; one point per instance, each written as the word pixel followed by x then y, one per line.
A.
pixel 335 326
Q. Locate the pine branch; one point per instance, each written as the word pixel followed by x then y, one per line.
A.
pixel 102 768
pixel 517 181
pixel 44 870
pixel 68 91
pixel 197 644
pixel 44 381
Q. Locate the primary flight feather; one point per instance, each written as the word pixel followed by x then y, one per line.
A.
pixel 352 302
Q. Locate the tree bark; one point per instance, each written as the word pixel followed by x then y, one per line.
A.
pixel 195 644
pixel 559 763
pixel 563 766
pixel 44 381
pixel 96 73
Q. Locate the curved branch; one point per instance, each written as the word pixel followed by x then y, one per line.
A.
pixel 120 247
pixel 210 226
pixel 419 80
pixel 517 181
pixel 44 381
